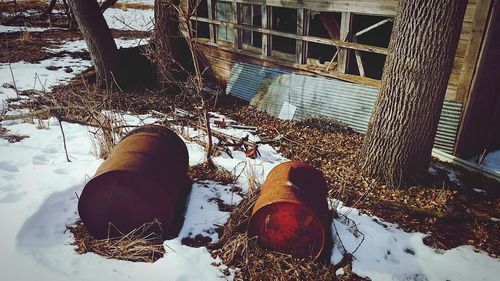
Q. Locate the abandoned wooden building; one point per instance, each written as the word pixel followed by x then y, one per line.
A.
pixel 296 59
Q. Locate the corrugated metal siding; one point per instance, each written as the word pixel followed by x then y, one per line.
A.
pixel 268 88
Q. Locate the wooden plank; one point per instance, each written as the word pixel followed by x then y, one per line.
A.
pixel 450 95
pixel 461 48
pixel 237 31
pixel 212 50
pixel 453 82
pixel 472 53
pixel 466 32
pixel 266 23
pixel 314 39
pixel 345 30
pixel 300 52
pixel 367 7
pixel 361 32
pixel 457 65
pixel 470 11
pixel 211 15
pixel 359 61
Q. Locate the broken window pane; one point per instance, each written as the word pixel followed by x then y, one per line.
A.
pixel 251 15
pixel 373 64
pixel 284 20
pixel 324 25
pixel 200 29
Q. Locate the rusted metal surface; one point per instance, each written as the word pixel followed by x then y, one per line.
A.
pixel 143 179
pixel 268 89
pixel 291 214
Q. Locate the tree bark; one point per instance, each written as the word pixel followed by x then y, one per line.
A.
pixel 171 54
pixel 100 42
pixel 398 143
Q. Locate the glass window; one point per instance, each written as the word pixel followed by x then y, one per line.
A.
pixel 373 63
pixel 224 12
pixel 251 15
pixel 324 25
pixel 284 20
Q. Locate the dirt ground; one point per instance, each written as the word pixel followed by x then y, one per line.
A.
pixel 32 46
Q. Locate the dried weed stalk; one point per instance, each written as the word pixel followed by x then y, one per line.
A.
pixel 138 246
pixel 207 171
pixel 174 72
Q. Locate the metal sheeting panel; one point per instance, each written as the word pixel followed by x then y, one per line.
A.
pixel 269 88
pixel 448 126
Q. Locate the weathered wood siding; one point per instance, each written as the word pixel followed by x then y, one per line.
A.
pixel 464 65
pixel 480 130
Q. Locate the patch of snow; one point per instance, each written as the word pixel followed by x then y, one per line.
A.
pixel 492 161
pixel 453 176
pixel 479 190
pixel 27 13
pixel 130 19
pixel 37 76
pixel 389 253
pixel 11 29
pixel 80 45
pixel 432 171
pixel 34 210
pixel 203 215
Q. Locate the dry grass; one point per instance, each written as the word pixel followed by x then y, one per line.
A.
pixel 103 137
pixel 25 36
pixel 209 171
pixel 140 245
pixel 236 249
pixel 257 263
pixel 125 6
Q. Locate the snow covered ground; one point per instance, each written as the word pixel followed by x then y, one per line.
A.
pixel 130 19
pixel 38 198
pixel 39 191
pixel 491 161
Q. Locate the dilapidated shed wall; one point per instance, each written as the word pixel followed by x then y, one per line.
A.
pixel 286 40
pixel 296 96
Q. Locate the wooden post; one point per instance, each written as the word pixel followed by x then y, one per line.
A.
pixel 359 61
pixel 471 56
pixel 302 29
pixel 211 27
pixel 236 20
pixel 266 24
pixel 345 29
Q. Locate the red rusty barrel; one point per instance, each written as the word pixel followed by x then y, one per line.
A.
pixel 291 214
pixel 143 179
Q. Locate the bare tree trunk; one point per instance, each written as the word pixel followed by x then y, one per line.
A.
pixel 398 143
pixel 171 53
pixel 100 42
pixel 163 34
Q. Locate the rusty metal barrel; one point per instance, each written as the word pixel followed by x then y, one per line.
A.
pixel 291 214
pixel 143 180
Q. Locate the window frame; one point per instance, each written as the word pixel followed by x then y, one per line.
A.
pixel 346 45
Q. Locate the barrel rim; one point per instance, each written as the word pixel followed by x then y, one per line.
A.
pixel 323 231
pixel 152 128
